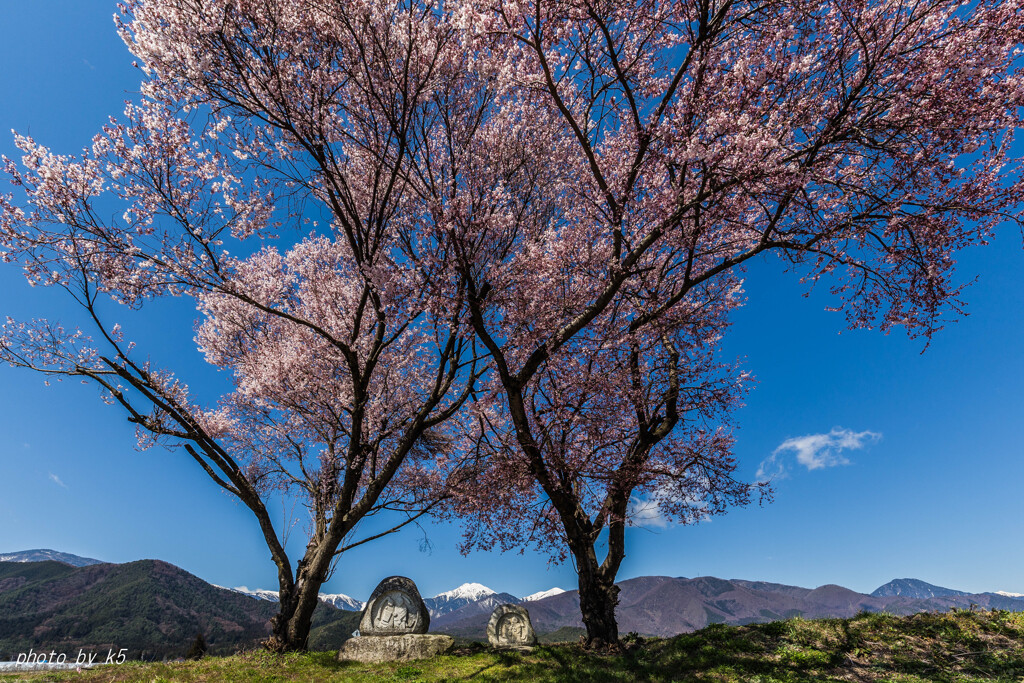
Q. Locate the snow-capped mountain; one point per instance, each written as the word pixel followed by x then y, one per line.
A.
pixel 478 595
pixel 443 603
pixel 258 593
pixel 342 601
pixel 339 600
pixel 467 593
pixel 540 595
pixel 1006 594
pixel 42 555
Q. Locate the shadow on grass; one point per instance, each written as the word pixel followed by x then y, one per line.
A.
pixel 954 646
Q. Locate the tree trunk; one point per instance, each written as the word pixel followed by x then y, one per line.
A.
pixel 290 626
pixel 598 597
pixel 282 623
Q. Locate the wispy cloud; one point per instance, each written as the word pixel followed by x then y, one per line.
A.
pixel 816 451
pixel 57 481
pixel 648 510
pixel 645 512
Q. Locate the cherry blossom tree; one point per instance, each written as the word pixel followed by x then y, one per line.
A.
pixel 573 186
pixel 632 432
pixel 650 150
pixel 349 359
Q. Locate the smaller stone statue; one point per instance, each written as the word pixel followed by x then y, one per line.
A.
pixel 510 628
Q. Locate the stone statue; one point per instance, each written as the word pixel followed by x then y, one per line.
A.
pixel 394 626
pixel 394 608
pixel 510 628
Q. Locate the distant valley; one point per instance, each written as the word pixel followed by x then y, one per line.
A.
pixel 51 600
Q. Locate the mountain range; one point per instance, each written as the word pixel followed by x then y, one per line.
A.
pixel 665 606
pixel 339 600
pixel 155 608
pixel 469 596
pixel 443 603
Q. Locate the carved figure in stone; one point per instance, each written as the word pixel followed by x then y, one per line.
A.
pixel 394 608
pixel 512 630
pixel 510 627
pixel 397 613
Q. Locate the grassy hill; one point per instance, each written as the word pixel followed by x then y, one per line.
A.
pixel 152 608
pixel 960 645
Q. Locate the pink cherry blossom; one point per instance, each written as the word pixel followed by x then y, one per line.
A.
pixel 642 153
pixel 507 238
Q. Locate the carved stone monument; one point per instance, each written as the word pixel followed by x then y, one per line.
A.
pixel 394 608
pixel 510 628
pixel 394 627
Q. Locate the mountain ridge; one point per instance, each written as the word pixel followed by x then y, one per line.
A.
pixel 445 601
pixel 914 588
pixel 338 600
pixel 540 595
pixel 44 554
pixel 665 606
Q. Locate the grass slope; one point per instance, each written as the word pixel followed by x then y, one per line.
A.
pixel 959 646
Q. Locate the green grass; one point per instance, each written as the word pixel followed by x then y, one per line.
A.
pixel 960 646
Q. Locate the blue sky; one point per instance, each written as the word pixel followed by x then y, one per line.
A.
pixel 934 491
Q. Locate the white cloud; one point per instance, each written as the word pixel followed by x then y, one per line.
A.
pixel 816 451
pixel 645 512
pixel 57 480
pixel 771 468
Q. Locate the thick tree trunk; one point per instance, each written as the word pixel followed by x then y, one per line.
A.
pixel 283 625
pixel 290 626
pixel 597 603
pixel 598 597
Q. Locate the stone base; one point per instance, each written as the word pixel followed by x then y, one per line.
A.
pixel 404 648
